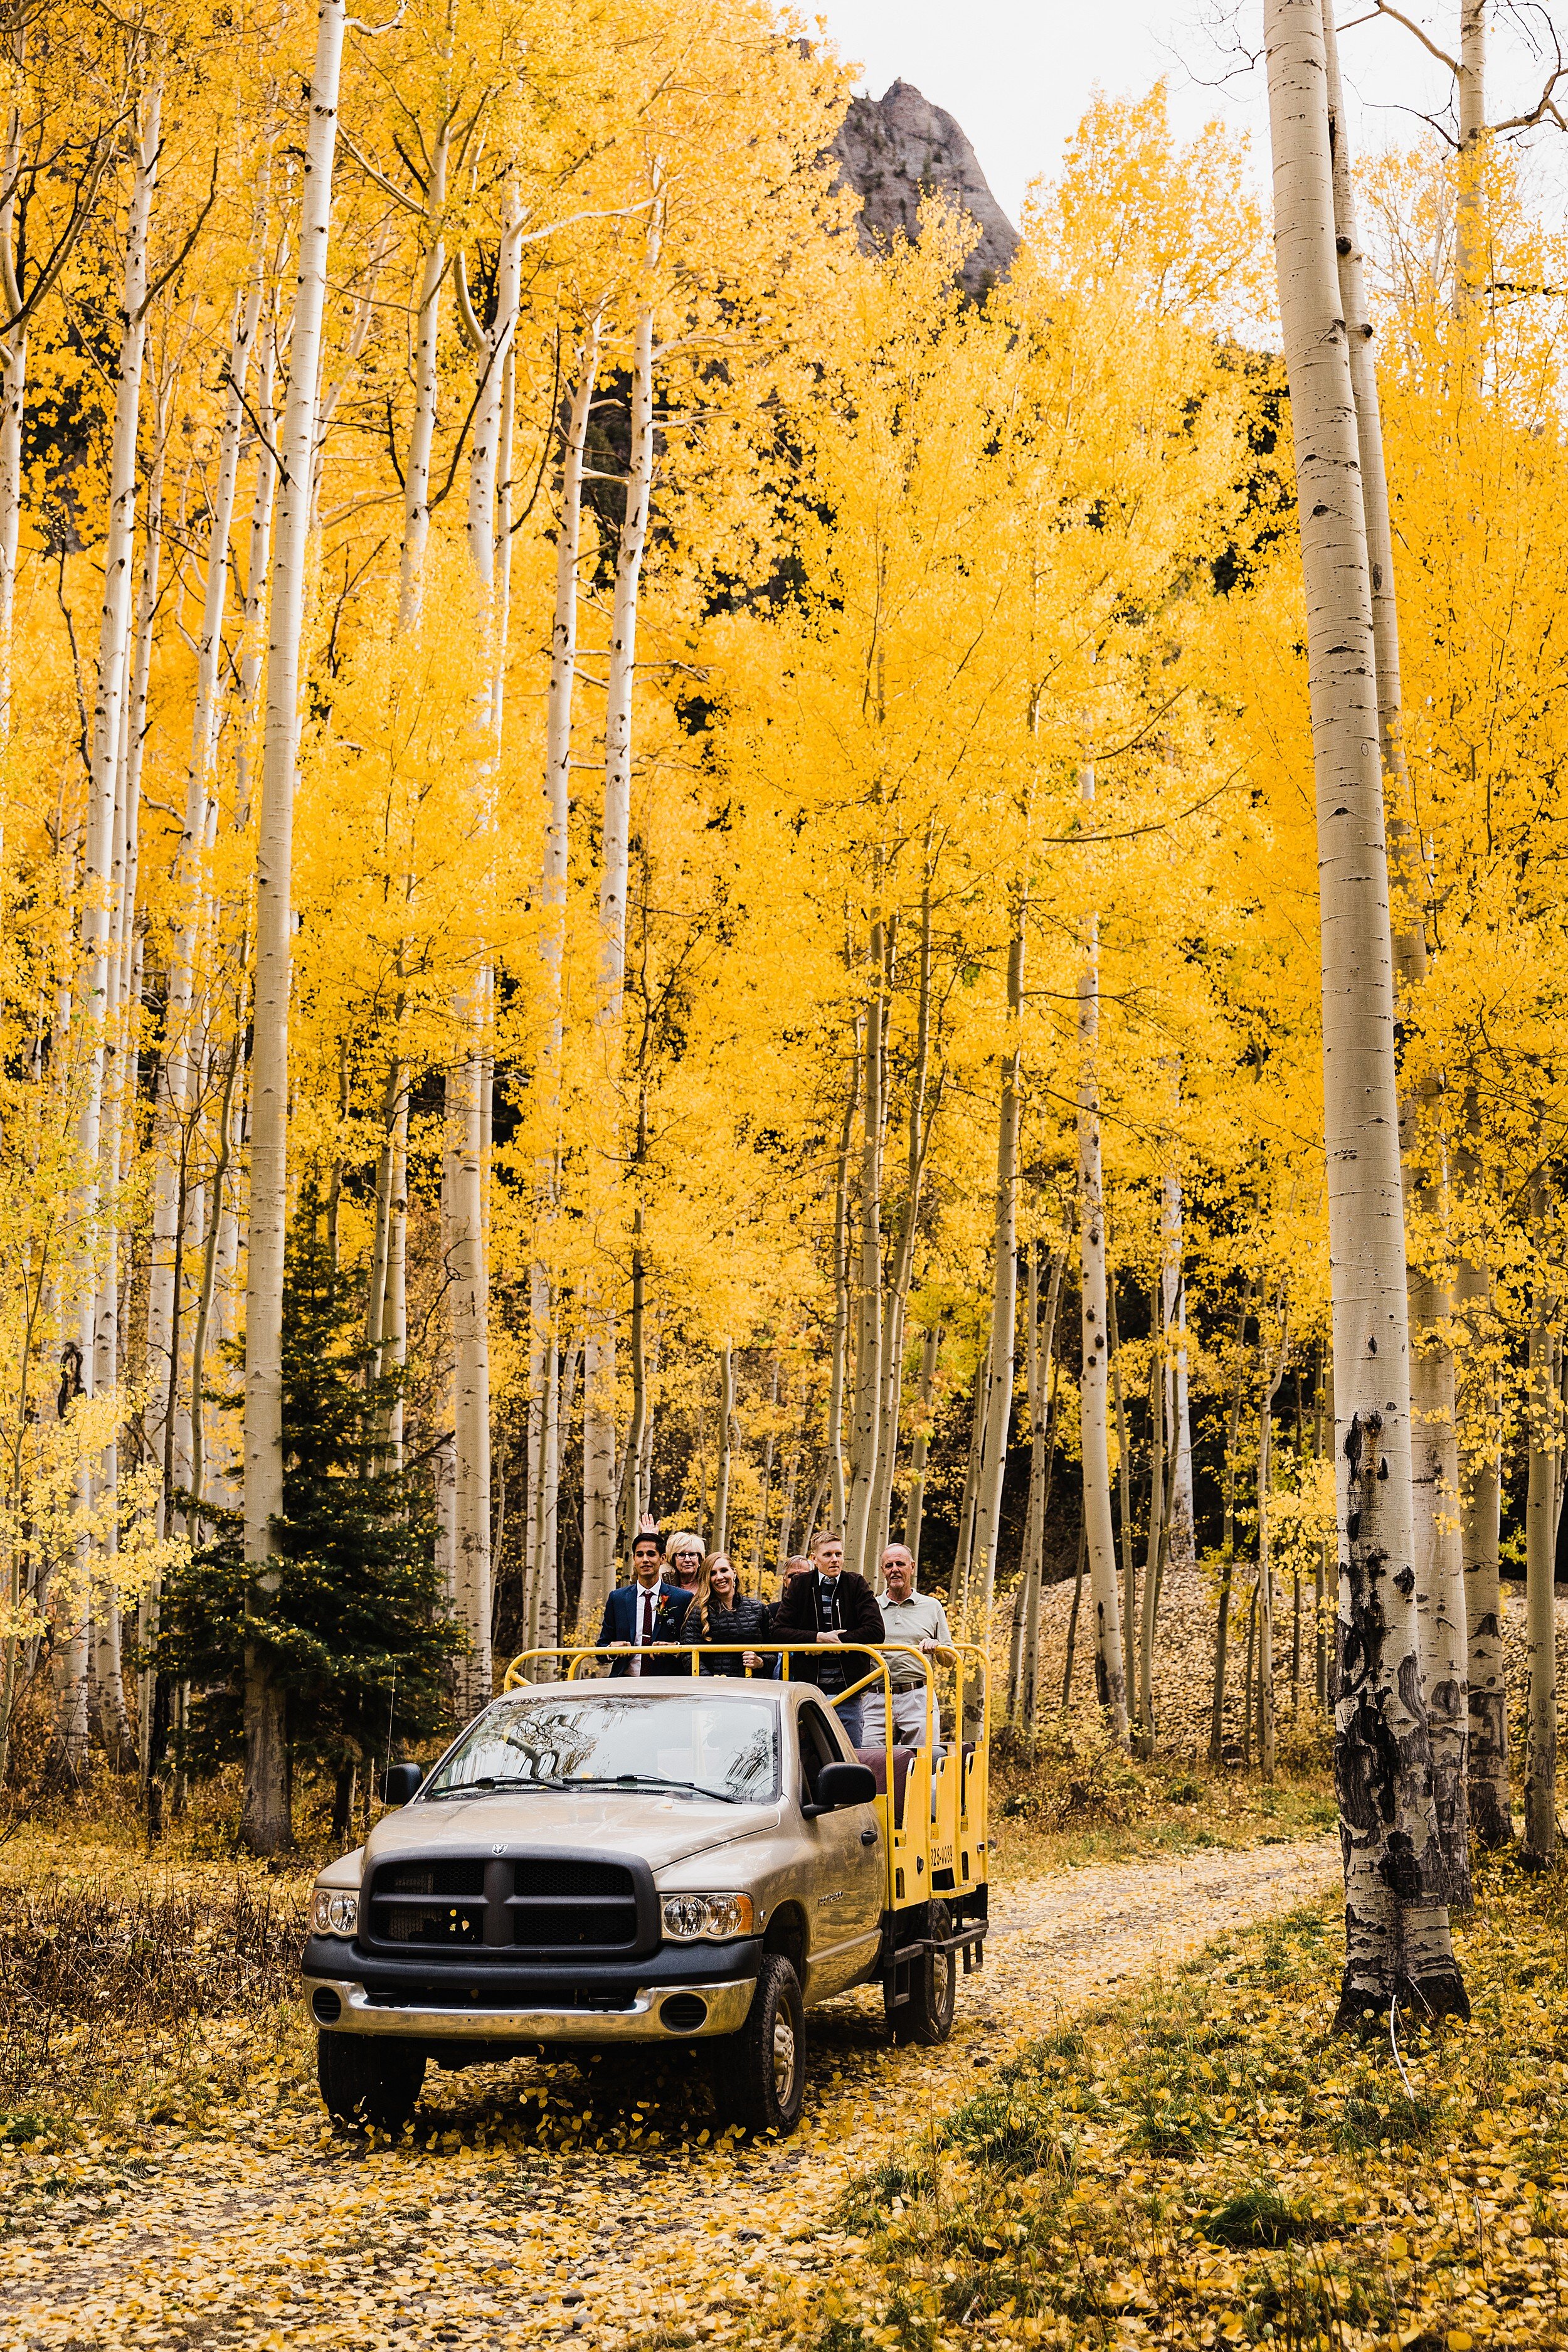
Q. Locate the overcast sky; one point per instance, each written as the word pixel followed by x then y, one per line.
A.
pixel 1018 73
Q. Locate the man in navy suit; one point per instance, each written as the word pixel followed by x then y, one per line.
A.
pixel 644 1612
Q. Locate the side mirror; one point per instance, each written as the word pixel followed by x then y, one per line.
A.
pixel 401 1781
pixel 839 1785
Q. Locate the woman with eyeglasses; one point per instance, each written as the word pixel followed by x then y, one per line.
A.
pixel 721 1612
pixel 683 1560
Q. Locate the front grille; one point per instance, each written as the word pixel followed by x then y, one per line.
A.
pixel 553 1880
pixel 448 1905
pixel 455 1878
pixel 536 1904
pixel 448 1926
pixel 574 1905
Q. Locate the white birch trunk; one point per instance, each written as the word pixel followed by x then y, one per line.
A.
pixel 1178 1412
pixel 12 401
pixel 599 1357
pixel 470 1333
pixel 258 565
pixel 868 1300
pixel 426 386
pixel 171 1139
pixel 1004 1287
pixel 1542 1410
pixel 120 1103
pixel 1436 1551
pixel 597 1566
pixel 266 1825
pixel 895 1306
pixel 598 1463
pixel 914 1501
pixel 1110 1675
pixel 1489 1778
pixel 98 876
pixel 726 1448
pixel 1397 1935
pixel 839 1377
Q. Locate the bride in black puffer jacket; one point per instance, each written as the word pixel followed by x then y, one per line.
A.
pixel 722 1612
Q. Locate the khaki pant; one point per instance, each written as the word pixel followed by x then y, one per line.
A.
pixel 908 1719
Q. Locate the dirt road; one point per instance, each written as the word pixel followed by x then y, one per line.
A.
pixel 540 2218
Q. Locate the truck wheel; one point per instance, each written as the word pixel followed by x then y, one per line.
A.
pixel 927 2016
pixel 366 2080
pixel 760 2078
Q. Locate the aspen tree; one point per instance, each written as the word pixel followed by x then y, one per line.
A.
pixel 858 1530
pixel 172 1135
pixel 12 372
pixel 599 1368
pixel 266 1809
pixel 1178 1410
pixel 1004 1278
pixel 1266 1745
pixel 1488 1786
pixel 1041 1377
pixel 1158 1536
pixel 1397 1922
pixel 1543 1447
pixel 109 720
pixel 841 1309
pixel 1435 1481
pixel 914 1498
pixel 922 1117
pixel 556 857
pixel 726 1446
pixel 1111 1676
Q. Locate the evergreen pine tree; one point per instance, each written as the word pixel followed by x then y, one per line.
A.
pixel 359 1633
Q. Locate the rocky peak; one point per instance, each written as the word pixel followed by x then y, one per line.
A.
pixel 897 148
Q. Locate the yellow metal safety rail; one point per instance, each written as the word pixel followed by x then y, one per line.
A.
pixel 937 1842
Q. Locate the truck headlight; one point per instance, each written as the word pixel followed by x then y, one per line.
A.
pixel 333 1912
pixel 688 1916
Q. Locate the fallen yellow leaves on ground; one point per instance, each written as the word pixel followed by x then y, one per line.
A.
pixel 193 2193
pixel 1207 2163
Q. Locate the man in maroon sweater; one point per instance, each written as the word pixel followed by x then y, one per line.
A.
pixel 831 1606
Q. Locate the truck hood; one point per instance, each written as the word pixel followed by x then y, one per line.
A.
pixel 662 1830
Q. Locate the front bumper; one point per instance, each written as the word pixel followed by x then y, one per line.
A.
pixel 677 1993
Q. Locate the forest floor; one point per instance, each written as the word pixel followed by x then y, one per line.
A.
pixel 1205 2163
pixel 177 2184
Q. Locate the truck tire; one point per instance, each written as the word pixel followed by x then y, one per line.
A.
pixel 366 2079
pixel 760 2075
pixel 926 2017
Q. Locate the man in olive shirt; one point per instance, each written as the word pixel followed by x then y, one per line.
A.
pixel 916 1619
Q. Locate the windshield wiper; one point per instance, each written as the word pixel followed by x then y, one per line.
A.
pixel 648 1780
pixel 491 1782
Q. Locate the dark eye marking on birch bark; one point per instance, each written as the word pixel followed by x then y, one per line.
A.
pixel 1405 1582
pixel 1372 1347
pixel 1352 1526
pixel 1382 1468
pixel 1400 1869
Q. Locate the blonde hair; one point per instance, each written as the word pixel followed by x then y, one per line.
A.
pixel 698 1609
pixel 682 1540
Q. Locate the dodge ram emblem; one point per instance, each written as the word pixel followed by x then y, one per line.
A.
pixel 497 1849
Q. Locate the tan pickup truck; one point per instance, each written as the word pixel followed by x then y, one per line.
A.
pixel 665 1859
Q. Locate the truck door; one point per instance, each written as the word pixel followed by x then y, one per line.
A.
pixel 847 1877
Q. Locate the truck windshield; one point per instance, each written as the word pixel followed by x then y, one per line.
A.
pixel 727 1748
